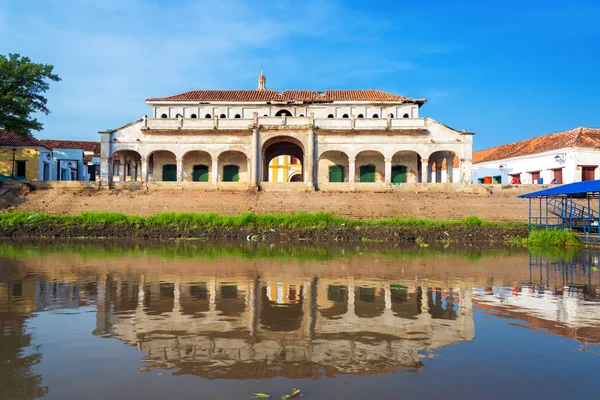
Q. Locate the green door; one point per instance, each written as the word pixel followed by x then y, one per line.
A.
pixel 336 173
pixel 367 173
pixel 399 174
pixel 231 173
pixel 200 173
pixel 169 173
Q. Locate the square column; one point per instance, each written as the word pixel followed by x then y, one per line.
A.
pixel 105 158
pixel 351 171
pixel 122 172
pixel 388 173
pixel 255 158
pixel 144 175
pixel 310 161
pixel 465 171
pixel 424 170
pixel 179 169
pixel 215 171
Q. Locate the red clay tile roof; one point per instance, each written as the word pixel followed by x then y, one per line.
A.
pixel 288 95
pixel 73 144
pixel 16 140
pixel 578 137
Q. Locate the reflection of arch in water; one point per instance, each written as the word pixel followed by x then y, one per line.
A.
pixel 369 302
pixel 283 317
pixel 337 296
pixel 159 301
pixel 441 307
pixel 123 295
pixel 404 305
pixel 194 299
pixel 230 300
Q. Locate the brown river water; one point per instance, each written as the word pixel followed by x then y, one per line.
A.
pixel 106 320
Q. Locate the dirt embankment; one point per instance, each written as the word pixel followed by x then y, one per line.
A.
pixel 363 234
pixel 493 205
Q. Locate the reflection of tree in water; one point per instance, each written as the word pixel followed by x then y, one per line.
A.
pixel 438 308
pixel 17 380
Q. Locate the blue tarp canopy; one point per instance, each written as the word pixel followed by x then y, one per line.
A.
pixel 577 189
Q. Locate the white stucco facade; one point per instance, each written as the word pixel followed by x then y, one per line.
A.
pixel 341 144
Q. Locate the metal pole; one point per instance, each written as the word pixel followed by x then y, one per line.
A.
pixel 529 217
pixel 12 170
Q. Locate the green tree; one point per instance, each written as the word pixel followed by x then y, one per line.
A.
pixel 22 87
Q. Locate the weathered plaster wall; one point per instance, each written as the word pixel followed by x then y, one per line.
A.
pixel 371 158
pixel 234 158
pixel 332 158
pixel 196 158
pixel 160 158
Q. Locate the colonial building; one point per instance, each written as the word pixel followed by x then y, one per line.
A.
pixel 340 139
pixel 563 157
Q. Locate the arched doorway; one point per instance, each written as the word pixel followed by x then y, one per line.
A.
pixel 333 167
pixel 282 159
pixel 162 166
pixel 126 166
pixel 371 166
pixel 233 167
pixel 196 166
pixel 443 161
pixel 406 166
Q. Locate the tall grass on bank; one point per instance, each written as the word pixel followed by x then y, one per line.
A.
pixel 319 220
pixel 553 238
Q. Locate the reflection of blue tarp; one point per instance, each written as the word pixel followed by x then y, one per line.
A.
pixel 4 178
pixel 577 189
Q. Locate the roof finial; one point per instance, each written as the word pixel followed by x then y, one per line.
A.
pixel 261 78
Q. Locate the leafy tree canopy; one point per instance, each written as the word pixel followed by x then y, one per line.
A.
pixel 22 87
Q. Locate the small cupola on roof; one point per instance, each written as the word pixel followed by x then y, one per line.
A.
pixel 262 81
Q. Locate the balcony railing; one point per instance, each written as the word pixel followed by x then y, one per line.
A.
pixel 291 122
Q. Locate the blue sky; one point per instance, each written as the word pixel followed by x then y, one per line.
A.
pixel 506 70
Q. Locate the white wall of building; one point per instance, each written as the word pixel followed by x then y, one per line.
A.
pixel 572 161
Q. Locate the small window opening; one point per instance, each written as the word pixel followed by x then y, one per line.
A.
pixel 193 116
pixel 302 115
pixel 330 116
pixel 207 116
pixel 164 116
pixel 345 116
pixel 238 116
pixel 360 116
pixel 222 116
pixel 375 116
pixel 179 116
pixel 405 116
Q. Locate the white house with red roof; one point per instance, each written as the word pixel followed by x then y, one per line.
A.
pixel 343 139
pixel 563 157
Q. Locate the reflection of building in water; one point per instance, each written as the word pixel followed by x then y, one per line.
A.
pixel 17 355
pixel 559 296
pixel 245 328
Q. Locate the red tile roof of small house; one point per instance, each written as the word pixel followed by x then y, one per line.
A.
pixel 310 96
pixel 578 137
pixel 93 147
pixel 15 140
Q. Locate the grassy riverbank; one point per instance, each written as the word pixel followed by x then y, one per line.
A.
pixel 258 227
pixel 247 220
